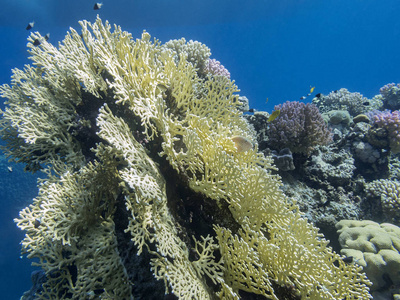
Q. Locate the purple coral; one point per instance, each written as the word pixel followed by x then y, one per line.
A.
pixel 214 67
pixel 299 127
pixel 390 121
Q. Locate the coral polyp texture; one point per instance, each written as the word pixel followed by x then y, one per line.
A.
pixel 390 123
pixel 342 99
pixel 141 152
pixel 299 127
pixel 374 246
pixel 391 95
pixel 389 193
pixel 214 67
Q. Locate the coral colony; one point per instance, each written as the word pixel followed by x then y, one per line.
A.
pixel 155 182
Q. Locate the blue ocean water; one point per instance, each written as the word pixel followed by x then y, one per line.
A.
pixel 273 49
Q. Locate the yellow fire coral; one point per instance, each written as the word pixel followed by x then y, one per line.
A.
pixel 123 123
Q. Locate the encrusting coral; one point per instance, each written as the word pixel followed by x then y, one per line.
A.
pixel 114 120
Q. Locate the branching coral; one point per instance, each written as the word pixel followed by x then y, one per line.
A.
pixel 69 228
pixel 299 127
pixel 390 123
pixel 389 193
pixel 94 100
pixel 342 99
pixel 214 67
pixel 391 95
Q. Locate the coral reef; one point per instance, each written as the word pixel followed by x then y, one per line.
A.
pixel 371 161
pixel 116 122
pixel 390 96
pixel 299 127
pixel 283 160
pixel 337 117
pixel 388 192
pixel 195 52
pixel 331 184
pixel 354 177
pixel 374 246
pixel 386 130
pixel 342 99
pixel 335 168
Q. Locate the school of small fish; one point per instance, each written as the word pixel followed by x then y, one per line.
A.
pixel 37 42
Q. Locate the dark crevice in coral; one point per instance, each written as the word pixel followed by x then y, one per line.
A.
pixel 143 283
pixel 194 211
pixel 86 113
pixel 374 171
pixel 282 292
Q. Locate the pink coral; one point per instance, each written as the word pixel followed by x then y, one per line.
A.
pixel 214 67
pixel 391 122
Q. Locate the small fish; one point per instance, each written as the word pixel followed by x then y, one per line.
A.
pixel 242 144
pixel 30 25
pixel 37 223
pixel 303 97
pixel 348 259
pixel 162 87
pixel 366 103
pixel 10 169
pixel 318 95
pixel 274 115
pixel 252 110
pixel 266 101
pixel 36 42
pixel 97 6
pixel 47 36
pixel 312 89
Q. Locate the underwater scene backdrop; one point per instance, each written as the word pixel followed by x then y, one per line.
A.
pixel 201 164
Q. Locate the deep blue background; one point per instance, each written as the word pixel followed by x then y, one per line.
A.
pixel 274 49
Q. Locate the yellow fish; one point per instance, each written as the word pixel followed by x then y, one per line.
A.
pixel 312 89
pixel 274 115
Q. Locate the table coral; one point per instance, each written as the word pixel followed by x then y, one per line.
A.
pixel 119 122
